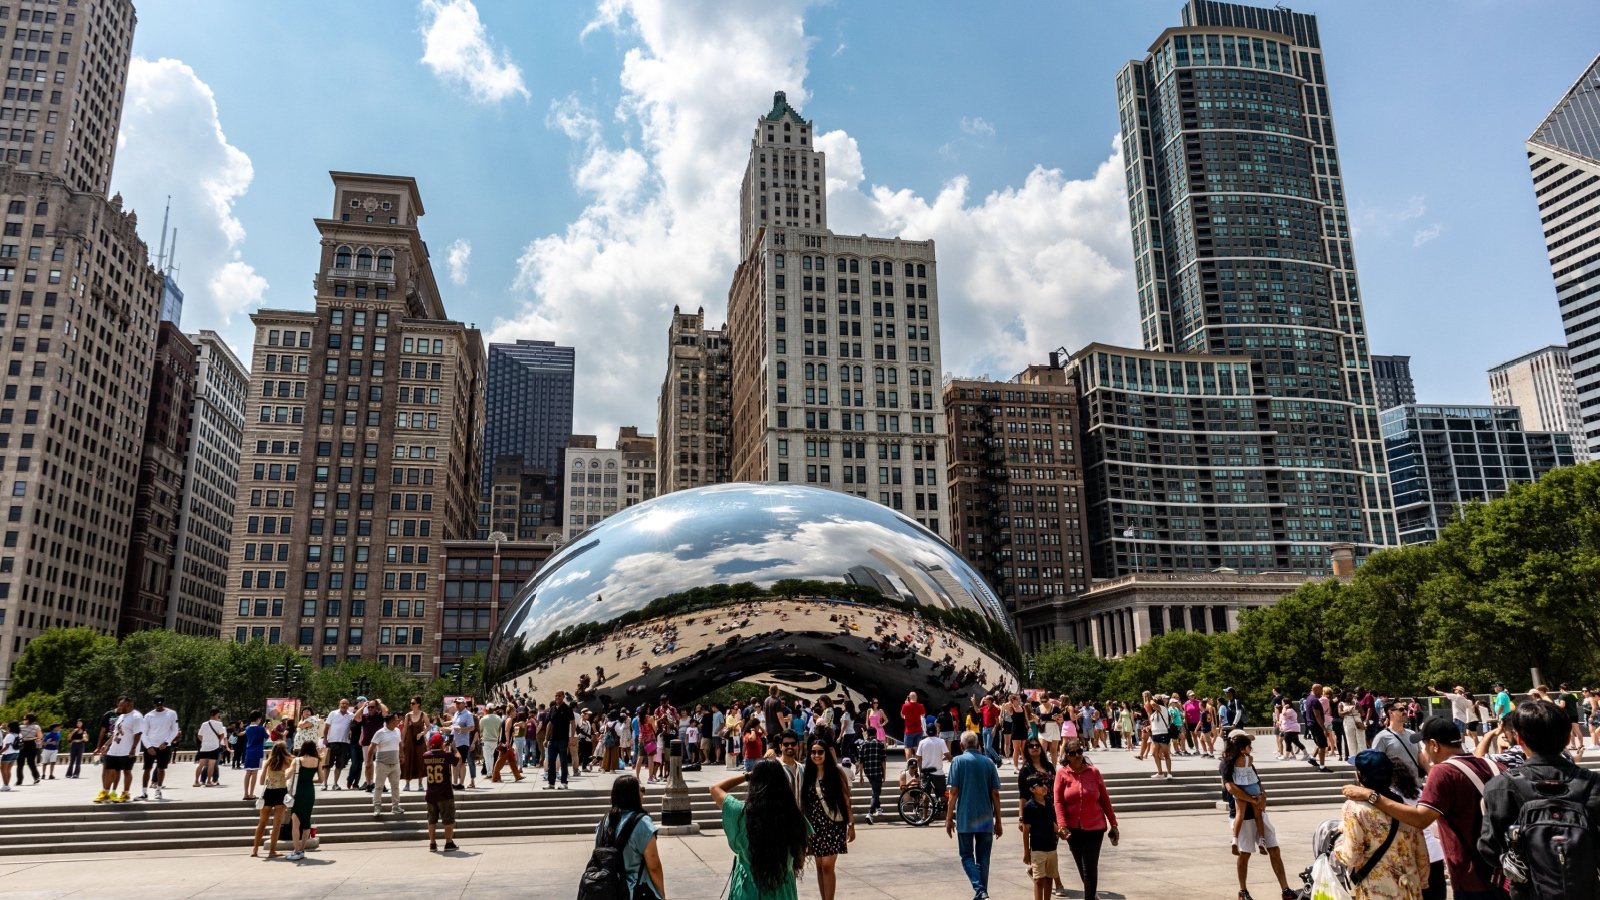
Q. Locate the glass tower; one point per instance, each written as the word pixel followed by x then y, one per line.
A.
pixel 1242 248
pixel 1564 157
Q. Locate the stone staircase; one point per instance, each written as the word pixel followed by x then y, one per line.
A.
pixel 523 811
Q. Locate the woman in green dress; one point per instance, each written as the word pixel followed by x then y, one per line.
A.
pixel 765 831
pixel 303 782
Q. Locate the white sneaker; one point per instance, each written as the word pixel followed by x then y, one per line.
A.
pixel 1156 775
pixel 158 792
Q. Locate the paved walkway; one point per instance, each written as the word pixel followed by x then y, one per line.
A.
pixel 1161 856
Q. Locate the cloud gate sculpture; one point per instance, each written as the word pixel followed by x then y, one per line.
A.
pixel 819 591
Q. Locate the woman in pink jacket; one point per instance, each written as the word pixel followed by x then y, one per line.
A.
pixel 1083 814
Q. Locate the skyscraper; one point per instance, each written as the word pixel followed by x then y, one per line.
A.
pixel 159 501
pixel 79 305
pixel 529 406
pixel 1242 249
pixel 1446 456
pixel 363 446
pixel 1391 378
pixel 1564 157
pixel 199 583
pixel 1540 384
pixel 834 340
pixel 692 411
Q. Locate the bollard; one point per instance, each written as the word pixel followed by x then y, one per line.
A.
pixel 675 809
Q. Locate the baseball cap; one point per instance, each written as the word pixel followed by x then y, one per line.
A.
pixel 436 740
pixel 361 699
pixel 1238 733
pixel 1227 690
pixel 1438 728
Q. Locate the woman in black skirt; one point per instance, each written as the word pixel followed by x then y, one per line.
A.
pixel 826 800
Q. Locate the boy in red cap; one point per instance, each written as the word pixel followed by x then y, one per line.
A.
pixel 437 764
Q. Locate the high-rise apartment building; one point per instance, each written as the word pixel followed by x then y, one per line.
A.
pixel 529 406
pixel 363 444
pixel 524 502
pixel 1564 157
pixel 478 580
pixel 1444 456
pixel 159 501
pixel 693 417
pixel 1242 252
pixel 592 486
pixel 834 340
pixel 1540 385
pixel 79 303
pixel 1016 484
pixel 1391 379
pixel 638 465
pixel 199 583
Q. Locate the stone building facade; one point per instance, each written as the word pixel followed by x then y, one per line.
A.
pixel 693 417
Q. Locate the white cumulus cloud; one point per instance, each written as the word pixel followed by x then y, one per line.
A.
pixel 456 46
pixel 172 143
pixel 1424 235
pixel 1022 270
pixel 457 258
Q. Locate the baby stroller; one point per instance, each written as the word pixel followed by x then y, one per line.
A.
pixel 1327 834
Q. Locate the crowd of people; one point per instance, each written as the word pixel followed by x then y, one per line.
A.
pixel 1439 796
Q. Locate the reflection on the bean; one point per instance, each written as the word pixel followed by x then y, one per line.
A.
pixel 693 590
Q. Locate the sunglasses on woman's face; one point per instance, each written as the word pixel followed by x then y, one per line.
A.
pixel 1074 752
pixel 1034 747
pixel 819 753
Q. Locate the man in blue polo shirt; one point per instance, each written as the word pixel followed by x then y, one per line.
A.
pixel 972 811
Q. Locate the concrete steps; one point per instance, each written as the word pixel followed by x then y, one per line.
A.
pixel 523 811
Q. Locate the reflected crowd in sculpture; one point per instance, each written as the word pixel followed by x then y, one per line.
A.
pixel 819 591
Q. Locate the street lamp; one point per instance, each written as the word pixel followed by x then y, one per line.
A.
pixel 464 675
pixel 289 678
pixel 361 686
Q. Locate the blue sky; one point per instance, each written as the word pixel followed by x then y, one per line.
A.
pixel 589 157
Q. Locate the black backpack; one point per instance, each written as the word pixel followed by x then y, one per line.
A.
pixel 1551 852
pixel 606 875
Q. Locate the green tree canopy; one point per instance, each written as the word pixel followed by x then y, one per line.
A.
pixel 48 659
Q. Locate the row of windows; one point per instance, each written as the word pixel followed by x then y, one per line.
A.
pixel 876 267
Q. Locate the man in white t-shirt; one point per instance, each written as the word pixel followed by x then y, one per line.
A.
pixel 116 752
pixel 336 733
pixel 490 726
pixel 933 753
pixel 386 765
pixel 160 736
pixel 464 723
pixel 213 736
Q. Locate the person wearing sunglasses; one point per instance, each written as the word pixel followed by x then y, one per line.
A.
pixel 826 801
pixel 789 758
pixel 1084 815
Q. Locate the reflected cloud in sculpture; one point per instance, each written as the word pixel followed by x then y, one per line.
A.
pixel 907 613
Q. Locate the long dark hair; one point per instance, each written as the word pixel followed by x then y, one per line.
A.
pixel 1231 751
pixel 829 774
pixel 775 833
pixel 1045 766
pixel 626 797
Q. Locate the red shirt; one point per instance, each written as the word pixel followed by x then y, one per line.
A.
pixel 911 715
pixel 1452 795
pixel 991 715
pixel 1082 803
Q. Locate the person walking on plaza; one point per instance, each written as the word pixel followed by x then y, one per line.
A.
pixel 370 716
pixel 161 734
pixel 50 750
pixel 254 746
pixel 213 736
pixel 826 793
pixel 29 739
pixel 871 762
pixel 274 788
pixel 767 839
pixel 413 743
pixel 1453 797
pixel 386 749
pixel 117 750
pixel 463 725
pixel 1314 720
pixel 1160 736
pixel 303 783
pixel 438 770
pixel 490 727
pixel 629 828
pixel 1387 857
pixel 336 734
pixel 1250 826
pixel 1037 822
pixel 911 713
pixel 972 811
pixel 77 745
pixel 1084 815
pixel 8 752
pixel 558 744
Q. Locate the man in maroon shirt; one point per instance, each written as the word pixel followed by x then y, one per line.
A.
pixel 438 766
pixel 911 713
pixel 1453 797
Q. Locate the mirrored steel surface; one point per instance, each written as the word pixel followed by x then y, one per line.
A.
pixel 820 591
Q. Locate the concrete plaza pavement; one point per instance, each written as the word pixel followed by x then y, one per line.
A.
pixel 1160 856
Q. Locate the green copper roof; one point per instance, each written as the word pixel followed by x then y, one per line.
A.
pixel 781 108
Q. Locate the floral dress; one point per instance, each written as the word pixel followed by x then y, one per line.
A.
pixel 1401 874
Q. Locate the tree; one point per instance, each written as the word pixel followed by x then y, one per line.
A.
pixel 1289 644
pixel 1166 663
pixel 395 687
pixel 46 706
pixel 1065 669
pixel 48 659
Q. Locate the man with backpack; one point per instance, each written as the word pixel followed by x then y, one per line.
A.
pixel 1232 712
pixel 1453 797
pixel 1540 820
